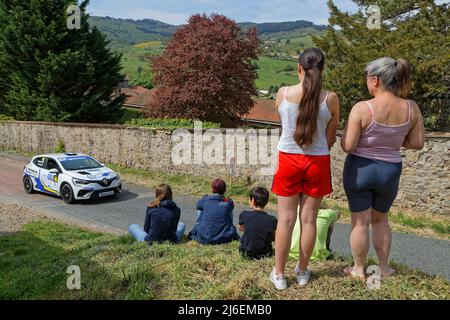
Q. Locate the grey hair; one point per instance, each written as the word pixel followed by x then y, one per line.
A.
pixel 395 75
pixel 386 70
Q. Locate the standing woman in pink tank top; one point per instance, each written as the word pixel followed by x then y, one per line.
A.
pixel 375 133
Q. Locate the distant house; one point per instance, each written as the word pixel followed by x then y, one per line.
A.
pixel 137 97
pixel 264 113
pixel 126 82
pixel 263 93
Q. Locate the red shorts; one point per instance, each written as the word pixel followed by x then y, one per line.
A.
pixel 302 174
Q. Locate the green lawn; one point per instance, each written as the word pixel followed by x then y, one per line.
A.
pixel 271 71
pixel 139 57
pixel 33 264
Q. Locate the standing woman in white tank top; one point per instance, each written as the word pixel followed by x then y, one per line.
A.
pixel 309 117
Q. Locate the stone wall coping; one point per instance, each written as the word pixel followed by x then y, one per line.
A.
pixel 428 135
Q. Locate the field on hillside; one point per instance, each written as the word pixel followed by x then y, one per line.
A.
pixel 275 72
pixel 271 71
pixel 136 59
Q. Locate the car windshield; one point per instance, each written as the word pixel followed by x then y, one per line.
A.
pixel 79 163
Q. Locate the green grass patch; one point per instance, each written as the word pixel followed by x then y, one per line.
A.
pixel 168 124
pixel 440 227
pixel 416 223
pixel 272 71
pixel 34 261
pixel 5 118
pixel 150 44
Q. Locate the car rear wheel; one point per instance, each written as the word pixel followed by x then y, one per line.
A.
pixel 28 185
pixel 67 194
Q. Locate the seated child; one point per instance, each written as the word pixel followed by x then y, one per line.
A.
pixel 215 220
pixel 161 220
pixel 325 224
pixel 258 227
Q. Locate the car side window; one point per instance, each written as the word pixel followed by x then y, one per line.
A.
pixel 51 164
pixel 39 162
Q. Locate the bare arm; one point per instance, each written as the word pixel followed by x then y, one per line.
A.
pixel 334 106
pixel 241 228
pixel 415 139
pixel 352 132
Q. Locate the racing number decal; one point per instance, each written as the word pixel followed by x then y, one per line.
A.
pixel 52 183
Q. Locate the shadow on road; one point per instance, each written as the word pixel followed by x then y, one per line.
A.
pixel 126 195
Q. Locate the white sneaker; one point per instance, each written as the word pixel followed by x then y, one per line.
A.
pixel 303 278
pixel 279 281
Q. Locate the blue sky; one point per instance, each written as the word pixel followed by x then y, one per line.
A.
pixel 177 11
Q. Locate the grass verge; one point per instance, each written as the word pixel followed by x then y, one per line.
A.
pixel 33 264
pixel 402 220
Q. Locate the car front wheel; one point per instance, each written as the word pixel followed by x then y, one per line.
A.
pixel 28 185
pixel 67 194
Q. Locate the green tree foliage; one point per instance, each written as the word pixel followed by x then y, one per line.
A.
pixel 417 31
pixel 206 72
pixel 51 73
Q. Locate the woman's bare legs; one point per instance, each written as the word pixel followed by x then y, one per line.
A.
pixel 359 239
pixel 308 219
pixel 382 239
pixel 287 216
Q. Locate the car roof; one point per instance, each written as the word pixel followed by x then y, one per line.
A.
pixel 62 155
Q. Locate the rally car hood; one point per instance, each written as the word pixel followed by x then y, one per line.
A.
pixel 92 174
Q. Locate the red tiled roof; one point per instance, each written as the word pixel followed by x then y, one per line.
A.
pixel 264 111
pixel 133 91
pixel 139 100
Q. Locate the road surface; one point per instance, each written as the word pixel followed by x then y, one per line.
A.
pixel 115 215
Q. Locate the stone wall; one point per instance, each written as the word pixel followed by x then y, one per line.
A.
pixel 424 184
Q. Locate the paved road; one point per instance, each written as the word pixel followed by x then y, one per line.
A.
pixel 427 255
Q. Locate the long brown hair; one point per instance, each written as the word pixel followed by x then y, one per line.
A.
pixel 163 192
pixel 313 62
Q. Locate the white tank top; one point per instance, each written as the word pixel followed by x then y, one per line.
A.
pixel 289 114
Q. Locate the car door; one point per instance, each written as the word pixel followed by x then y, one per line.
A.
pixel 50 181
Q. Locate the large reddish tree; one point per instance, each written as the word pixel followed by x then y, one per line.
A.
pixel 205 72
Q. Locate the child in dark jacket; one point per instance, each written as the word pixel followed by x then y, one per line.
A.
pixel 161 220
pixel 258 227
pixel 215 219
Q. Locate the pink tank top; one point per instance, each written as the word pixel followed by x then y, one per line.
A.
pixel 383 142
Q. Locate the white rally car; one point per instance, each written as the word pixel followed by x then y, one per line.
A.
pixel 71 176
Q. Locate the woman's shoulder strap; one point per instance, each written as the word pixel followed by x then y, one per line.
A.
pixel 285 93
pixel 371 109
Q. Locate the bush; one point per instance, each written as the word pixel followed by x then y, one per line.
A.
pixel 129 115
pixel 169 124
pixel 61 147
pixel 4 118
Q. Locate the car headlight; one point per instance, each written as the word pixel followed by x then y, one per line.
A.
pixel 79 182
pixel 117 177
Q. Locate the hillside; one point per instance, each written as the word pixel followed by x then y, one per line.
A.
pixel 127 32
pixel 139 40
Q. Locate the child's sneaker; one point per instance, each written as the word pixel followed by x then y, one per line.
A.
pixel 303 278
pixel 279 281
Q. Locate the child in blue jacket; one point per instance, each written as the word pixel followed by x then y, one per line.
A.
pixel 215 221
pixel 161 220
